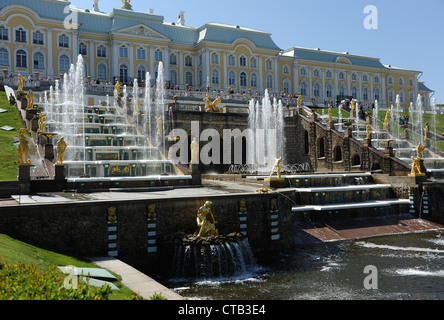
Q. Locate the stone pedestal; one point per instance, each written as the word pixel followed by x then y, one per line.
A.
pixel 367 142
pixel 49 151
pixel 59 172
pixel 30 114
pixel 24 172
pixel 275 183
pixel 389 151
pixel 196 176
pixel 34 123
pixel 330 125
pixel 405 134
pixel 24 103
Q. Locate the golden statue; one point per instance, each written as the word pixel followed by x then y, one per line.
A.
pixel 386 120
pixel 204 226
pixel 61 148
pixel 42 122
pixel 416 168
pixel 330 115
pixel 23 149
pixel 368 130
pixel 117 89
pixel 152 211
pixel 277 166
pixel 159 125
pixel 426 130
pixel 261 190
pixel 194 151
pixel 30 97
pixel 212 106
pixel 243 206
pixel 126 4
pixel 112 217
pixel 20 81
pixel 352 107
pixel 299 101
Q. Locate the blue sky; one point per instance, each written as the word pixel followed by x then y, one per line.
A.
pixel 410 33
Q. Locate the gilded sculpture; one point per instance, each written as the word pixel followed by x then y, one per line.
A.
pixel 212 106
pixel 20 82
pixel 159 125
pixel 194 151
pixel 330 115
pixel 299 101
pixel 204 226
pixel 30 97
pixel 416 161
pixel 352 107
pixel 152 211
pixel 387 118
pixel 23 149
pixel 368 130
pixel 277 167
pixel 243 206
pixel 126 4
pixel 117 89
pixel 42 122
pixel 61 149
pixel 112 217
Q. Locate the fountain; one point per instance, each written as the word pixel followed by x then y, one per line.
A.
pixel 267 141
pixel 105 141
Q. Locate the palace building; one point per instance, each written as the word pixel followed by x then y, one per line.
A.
pixel 45 37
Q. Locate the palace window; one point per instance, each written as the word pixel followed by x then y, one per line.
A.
pixel 21 59
pixel 329 91
pixel 316 73
pixel 342 92
pixel 269 64
pixel 141 74
pixel 390 80
pixel 303 72
pixel 354 77
pixel 243 79
pixel 401 81
pixel 286 86
pixel 141 54
pixel 376 79
pixel 4 33
pixel 123 72
pixel 411 96
pixel 365 94
pixel 243 61
pixel 411 82
pixel 354 93
pixel 253 63
pixel 253 80
pixel 341 75
pixel 269 81
pixel 365 78
pixel 101 51
pixel 231 78
pixel 173 77
pixel 39 61
pixel 158 55
pixel 37 37
pixel 316 90
pixel 64 63
pixel 215 77
pixel 173 59
pixel 377 94
pixel 101 72
pixel 20 35
pixel 189 78
pixel 63 41
pixel 391 95
pixel 231 60
pixel 328 74
pixel 303 88
pixel 214 58
pixel 83 49
pixel 4 57
pixel 286 70
pixel 188 61
pixel 123 52
pixel 401 96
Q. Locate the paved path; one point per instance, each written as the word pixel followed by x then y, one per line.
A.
pixel 135 280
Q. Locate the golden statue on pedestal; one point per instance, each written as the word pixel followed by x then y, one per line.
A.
pixel 159 125
pixel 204 226
pixel 61 149
pixel 387 119
pixel 30 97
pixel 330 115
pixel 117 89
pixel 277 167
pixel 368 130
pixel 20 81
pixel 299 101
pixel 23 149
pixel 352 107
pixel 426 131
pixel 42 122
pixel 212 106
pixel 416 161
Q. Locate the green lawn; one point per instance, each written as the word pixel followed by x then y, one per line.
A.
pixel 8 151
pixel 13 251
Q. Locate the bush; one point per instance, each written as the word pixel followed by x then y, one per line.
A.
pixel 26 282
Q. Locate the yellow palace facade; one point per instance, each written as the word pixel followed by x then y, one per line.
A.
pixel 45 37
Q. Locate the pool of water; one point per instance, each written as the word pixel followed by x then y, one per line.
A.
pixel 406 267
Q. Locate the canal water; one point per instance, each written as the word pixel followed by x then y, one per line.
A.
pixel 405 267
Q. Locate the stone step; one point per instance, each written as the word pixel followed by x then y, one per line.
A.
pixel 351 205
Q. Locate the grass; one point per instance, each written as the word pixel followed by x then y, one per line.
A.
pixel 8 151
pixel 13 251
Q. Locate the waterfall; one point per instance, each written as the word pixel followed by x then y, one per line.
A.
pixel 214 260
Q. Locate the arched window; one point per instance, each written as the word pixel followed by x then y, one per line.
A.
pixel 231 78
pixel 188 61
pixel 4 57
pixel 316 73
pixel 215 77
pixel 401 81
pixel 377 94
pixel 141 74
pixel 365 78
pixel 316 90
pixel 365 94
pixel 243 79
pixel 391 95
pixel 253 80
pixel 158 55
pixel 173 59
pixel 269 81
pixel 242 61
pixel 101 72
pixel 268 64
pixel 253 63
pixel 63 41
pixel 4 33
pixel 286 86
pixel 214 58
pixel 356 160
pixel 303 87
pixel 189 78
pixel 231 60
pixel 101 51
pixel 173 77
pixel 390 80
pixel 286 70
pixel 354 77
pixel 329 91
pixel 341 75
pixel 83 49
pixel 303 72
pixel 354 92
pixel 342 91
pixel 328 74
pixel 401 96
pixel 123 74
pixel 21 59
pixel 376 79
pixel 338 153
pixel 39 61
pixel 64 64
pixel 321 148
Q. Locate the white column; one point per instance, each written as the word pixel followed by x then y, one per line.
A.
pixel 310 86
pixel 75 46
pixel 296 78
pixel 360 86
pixel 92 64
pixel 276 76
pixel 348 83
pixel 336 84
pixel 261 75
pixel 181 71
pixel 131 62
pixel 50 63
pixel 371 96
pixel 115 59
pixel 383 89
pixel 225 75
pixel 324 96
pixel 152 70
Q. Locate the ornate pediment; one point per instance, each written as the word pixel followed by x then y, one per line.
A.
pixel 142 31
